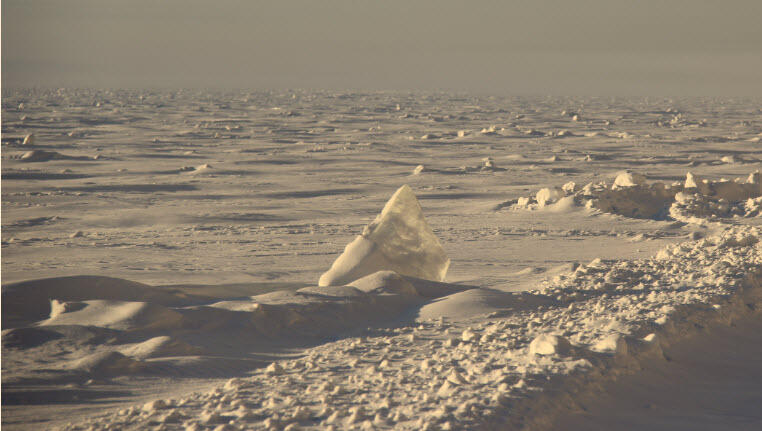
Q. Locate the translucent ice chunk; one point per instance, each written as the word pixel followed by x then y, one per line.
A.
pixel 399 240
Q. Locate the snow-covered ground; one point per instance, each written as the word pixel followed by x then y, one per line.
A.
pixel 161 253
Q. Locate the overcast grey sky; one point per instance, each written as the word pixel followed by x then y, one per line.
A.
pixel 633 47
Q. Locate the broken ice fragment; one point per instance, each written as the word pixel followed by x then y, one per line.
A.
pixel 695 182
pixel 628 179
pixel 547 344
pixel 399 240
pixel 754 178
pixel 614 343
pixel 548 196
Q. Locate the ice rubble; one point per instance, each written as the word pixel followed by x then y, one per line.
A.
pixel 546 344
pixel 696 200
pixel 548 196
pixel 29 139
pixel 628 179
pixel 502 372
pixel 399 240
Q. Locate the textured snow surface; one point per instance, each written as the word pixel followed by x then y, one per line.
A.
pixel 447 375
pixel 157 244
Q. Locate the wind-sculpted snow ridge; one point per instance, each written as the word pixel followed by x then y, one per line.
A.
pixel 511 369
pixel 695 200
pixel 150 327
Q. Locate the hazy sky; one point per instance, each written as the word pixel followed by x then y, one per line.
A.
pixel 664 47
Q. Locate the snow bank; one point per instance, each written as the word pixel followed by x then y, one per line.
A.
pixel 399 240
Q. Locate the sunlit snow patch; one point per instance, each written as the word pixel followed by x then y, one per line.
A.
pixel 399 240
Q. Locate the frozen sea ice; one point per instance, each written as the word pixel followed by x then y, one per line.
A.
pixel 399 240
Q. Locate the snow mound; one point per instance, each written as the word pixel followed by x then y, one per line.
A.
pixel 26 302
pixel 105 363
pixel 385 282
pixel 39 156
pixel 161 346
pixel 121 315
pixel 474 302
pixel 398 240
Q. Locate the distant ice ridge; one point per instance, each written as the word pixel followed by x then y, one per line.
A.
pixel 696 200
pixel 399 240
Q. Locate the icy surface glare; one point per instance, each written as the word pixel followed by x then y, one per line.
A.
pixel 399 240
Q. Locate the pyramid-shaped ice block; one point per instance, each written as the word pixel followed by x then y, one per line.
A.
pixel 399 240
